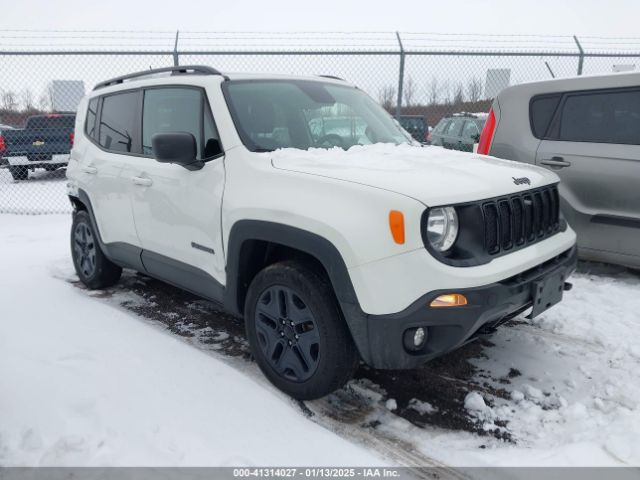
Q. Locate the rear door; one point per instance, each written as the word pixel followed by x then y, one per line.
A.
pixel 593 144
pixel 177 211
pixel 114 137
pixel 451 135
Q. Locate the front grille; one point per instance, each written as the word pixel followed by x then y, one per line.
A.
pixel 518 220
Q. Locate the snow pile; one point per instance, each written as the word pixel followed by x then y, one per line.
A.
pixel 88 384
pixel 579 395
pixel 423 408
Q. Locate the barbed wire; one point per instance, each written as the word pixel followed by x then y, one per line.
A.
pixel 296 40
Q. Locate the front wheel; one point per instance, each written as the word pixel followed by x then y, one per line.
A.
pixel 296 332
pixel 94 269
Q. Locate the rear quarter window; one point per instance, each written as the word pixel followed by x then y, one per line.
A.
pixel 90 123
pixel 601 117
pixel 541 111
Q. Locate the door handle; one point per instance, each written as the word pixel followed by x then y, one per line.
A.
pixel 556 162
pixel 89 169
pixel 142 181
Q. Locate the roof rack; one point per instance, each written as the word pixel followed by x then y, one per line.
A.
pixel 467 114
pixel 333 77
pixel 178 70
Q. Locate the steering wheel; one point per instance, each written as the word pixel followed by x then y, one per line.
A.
pixel 330 140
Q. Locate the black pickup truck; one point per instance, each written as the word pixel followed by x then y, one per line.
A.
pixel 44 142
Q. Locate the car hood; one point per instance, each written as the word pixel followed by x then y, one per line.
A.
pixel 431 175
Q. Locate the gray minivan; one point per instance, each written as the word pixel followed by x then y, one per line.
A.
pixel 587 130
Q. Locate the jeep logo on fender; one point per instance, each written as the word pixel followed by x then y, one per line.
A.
pixel 521 181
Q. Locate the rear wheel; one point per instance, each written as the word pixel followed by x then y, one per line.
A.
pixel 93 268
pixel 19 172
pixel 296 332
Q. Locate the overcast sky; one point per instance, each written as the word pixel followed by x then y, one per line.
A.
pixel 581 17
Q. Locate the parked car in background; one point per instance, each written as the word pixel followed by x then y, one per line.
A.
pixel 44 142
pixel 587 130
pixel 460 131
pixel 233 187
pixel 5 127
pixel 416 125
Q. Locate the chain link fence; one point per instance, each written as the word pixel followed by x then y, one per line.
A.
pixel 424 79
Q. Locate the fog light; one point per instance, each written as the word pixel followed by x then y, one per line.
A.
pixel 415 338
pixel 449 300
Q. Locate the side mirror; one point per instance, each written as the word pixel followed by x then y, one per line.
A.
pixel 176 147
pixel 476 137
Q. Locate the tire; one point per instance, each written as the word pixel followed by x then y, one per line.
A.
pixel 296 331
pixel 94 269
pixel 19 172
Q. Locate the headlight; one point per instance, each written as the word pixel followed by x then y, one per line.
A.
pixel 442 228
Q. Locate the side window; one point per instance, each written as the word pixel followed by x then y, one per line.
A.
pixel 90 123
pixel 442 126
pixel 607 117
pixel 119 122
pixel 470 130
pixel 172 110
pixel 541 113
pixel 454 127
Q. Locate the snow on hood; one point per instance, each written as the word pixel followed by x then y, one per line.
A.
pixel 432 175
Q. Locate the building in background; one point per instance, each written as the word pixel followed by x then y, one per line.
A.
pixel 65 95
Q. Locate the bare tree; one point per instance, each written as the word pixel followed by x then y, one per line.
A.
pixel 434 91
pixel 409 92
pixel 43 102
pixel 444 91
pixel 387 96
pixel 28 102
pixel 474 90
pixel 458 95
pixel 9 101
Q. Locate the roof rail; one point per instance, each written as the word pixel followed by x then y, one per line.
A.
pixel 178 70
pixel 333 77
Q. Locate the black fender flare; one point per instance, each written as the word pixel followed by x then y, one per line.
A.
pixel 310 243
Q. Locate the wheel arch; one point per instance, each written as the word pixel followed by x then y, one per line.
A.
pixel 255 244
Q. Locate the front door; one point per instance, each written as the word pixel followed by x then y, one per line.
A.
pixel 177 211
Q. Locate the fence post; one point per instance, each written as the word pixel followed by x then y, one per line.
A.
pixel 581 57
pixel 400 77
pixel 176 61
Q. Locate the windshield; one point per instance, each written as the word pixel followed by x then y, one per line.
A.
pixel 272 114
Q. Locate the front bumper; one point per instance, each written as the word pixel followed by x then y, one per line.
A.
pixel 449 328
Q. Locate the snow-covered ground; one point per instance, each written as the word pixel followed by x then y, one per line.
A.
pixel 44 192
pixel 123 377
pixel 84 383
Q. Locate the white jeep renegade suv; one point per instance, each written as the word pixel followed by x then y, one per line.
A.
pixel 300 205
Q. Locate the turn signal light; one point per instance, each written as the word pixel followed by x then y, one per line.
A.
pixel 396 224
pixel 449 300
